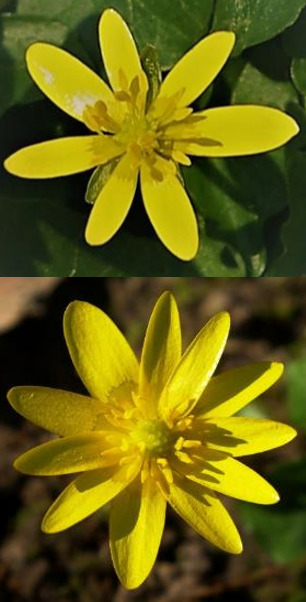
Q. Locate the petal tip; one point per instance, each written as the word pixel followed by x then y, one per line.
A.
pixel 237 548
pixel 19 465
pixel 188 255
pixel 224 316
pixel 276 497
pixel 291 433
pixel 33 50
pixel 278 369
pixel 72 307
pixel 107 16
pixel 11 395
pixel 272 497
pixel 45 528
pixel 293 126
pixel 228 36
pixel 8 165
pixel 91 238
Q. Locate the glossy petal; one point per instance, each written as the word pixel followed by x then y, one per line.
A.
pixel 113 203
pixel 136 525
pixel 196 367
pixel 201 509
pixel 118 49
pixel 60 412
pixel 69 83
pixel 171 213
pixel 233 131
pixel 230 391
pixel 64 456
pixel 244 436
pixel 233 478
pixel 100 353
pixel 85 495
pixel 62 157
pixel 161 350
pixel 196 70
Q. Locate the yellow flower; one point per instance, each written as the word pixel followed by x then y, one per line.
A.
pixel 150 434
pixel 147 136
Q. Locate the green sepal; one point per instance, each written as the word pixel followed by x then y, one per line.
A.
pixel 179 175
pixel 152 69
pixel 98 180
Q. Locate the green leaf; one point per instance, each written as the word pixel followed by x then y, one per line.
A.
pixel 236 198
pixel 17 35
pixel 255 21
pixel 45 237
pixel 4 4
pixel 296 377
pixel 281 535
pixel 294 39
pixel 171 28
pixel 281 529
pixel 292 261
pixel 264 79
pixel 298 73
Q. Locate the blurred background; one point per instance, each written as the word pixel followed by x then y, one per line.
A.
pixel 268 323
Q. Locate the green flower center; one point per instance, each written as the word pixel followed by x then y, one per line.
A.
pixel 137 134
pixel 152 435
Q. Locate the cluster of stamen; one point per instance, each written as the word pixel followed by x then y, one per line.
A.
pixel 162 448
pixel 142 134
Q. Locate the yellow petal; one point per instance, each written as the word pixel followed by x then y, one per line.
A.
pixel 60 412
pixel 119 51
pixel 233 478
pixel 161 351
pixel 244 436
pixel 227 393
pixel 99 351
pixel 69 83
pixel 62 157
pixel 64 456
pixel 85 495
pixel 171 213
pixel 196 367
pixel 196 70
pixel 234 131
pixel 113 203
pixel 136 525
pixel 201 509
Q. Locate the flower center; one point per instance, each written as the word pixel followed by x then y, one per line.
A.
pixel 137 135
pixel 152 436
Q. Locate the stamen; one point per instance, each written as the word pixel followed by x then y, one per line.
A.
pixel 177 116
pixel 184 423
pixel 190 443
pixel 183 457
pixel 145 471
pixel 164 466
pixel 97 118
pixel 122 96
pixel 123 80
pixel 135 87
pixel 181 158
pixel 159 477
pixel 179 443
